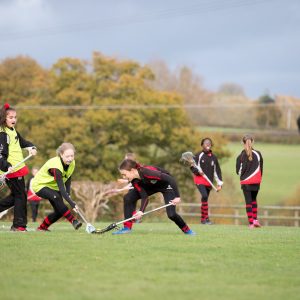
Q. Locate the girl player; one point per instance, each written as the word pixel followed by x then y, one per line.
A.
pixel 53 182
pixel 11 145
pixel 146 181
pixel 207 164
pixel 249 165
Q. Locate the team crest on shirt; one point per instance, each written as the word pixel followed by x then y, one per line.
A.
pixel 169 187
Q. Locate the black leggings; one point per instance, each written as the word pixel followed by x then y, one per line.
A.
pixel 56 201
pixel 250 196
pixel 131 198
pixel 251 204
pixel 18 199
pixel 204 191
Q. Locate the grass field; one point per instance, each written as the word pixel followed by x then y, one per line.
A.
pixel 281 170
pixel 156 261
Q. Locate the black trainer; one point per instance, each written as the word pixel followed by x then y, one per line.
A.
pixel 206 222
pixel 76 224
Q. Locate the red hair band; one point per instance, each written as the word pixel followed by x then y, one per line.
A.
pixel 6 106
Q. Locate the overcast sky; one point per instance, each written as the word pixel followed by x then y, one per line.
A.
pixel 253 43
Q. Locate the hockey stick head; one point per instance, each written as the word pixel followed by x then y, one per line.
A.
pixel 90 228
pixel 108 228
pixel 187 158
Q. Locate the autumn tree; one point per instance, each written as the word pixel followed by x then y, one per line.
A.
pixel 22 79
pixel 107 108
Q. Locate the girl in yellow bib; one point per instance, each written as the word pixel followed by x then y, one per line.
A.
pixel 53 182
pixel 11 145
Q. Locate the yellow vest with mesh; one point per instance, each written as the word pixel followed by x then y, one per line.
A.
pixel 44 179
pixel 15 154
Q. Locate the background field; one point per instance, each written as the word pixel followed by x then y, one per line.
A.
pixel 155 262
pixel 281 170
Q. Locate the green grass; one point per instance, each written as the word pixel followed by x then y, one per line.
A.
pixel 281 170
pixel 156 261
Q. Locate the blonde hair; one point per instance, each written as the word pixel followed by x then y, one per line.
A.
pixel 248 142
pixel 63 147
pixel 130 155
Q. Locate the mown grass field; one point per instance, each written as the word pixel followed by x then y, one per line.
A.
pixel 281 170
pixel 156 261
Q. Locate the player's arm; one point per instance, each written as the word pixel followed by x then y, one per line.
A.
pixel 61 186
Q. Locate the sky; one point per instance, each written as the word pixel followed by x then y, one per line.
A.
pixel 252 43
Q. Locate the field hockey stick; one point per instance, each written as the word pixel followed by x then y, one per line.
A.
pixel 15 166
pixel 3 176
pixel 188 159
pixel 115 225
pixel 89 227
pixel 2 213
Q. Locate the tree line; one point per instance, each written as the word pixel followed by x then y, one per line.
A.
pixel 101 136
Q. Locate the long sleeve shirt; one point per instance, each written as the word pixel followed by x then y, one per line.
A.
pixel 208 163
pixel 153 179
pixel 250 171
pixel 64 188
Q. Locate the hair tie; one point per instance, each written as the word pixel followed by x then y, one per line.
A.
pixel 6 106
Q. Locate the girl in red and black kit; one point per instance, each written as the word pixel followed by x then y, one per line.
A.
pixel 11 145
pixel 208 165
pixel 146 181
pixel 249 165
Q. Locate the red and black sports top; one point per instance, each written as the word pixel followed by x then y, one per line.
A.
pixel 250 171
pixel 153 179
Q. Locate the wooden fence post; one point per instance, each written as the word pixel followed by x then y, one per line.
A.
pixel 296 222
pixel 266 214
pixel 236 215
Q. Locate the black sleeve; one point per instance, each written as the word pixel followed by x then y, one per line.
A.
pixel 160 176
pixel 58 178
pixel 195 171
pixel 68 185
pixel 4 164
pixel 238 164
pixel 261 163
pixel 144 196
pixel 218 170
pixel 23 142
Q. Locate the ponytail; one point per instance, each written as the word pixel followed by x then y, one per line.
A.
pixel 248 142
